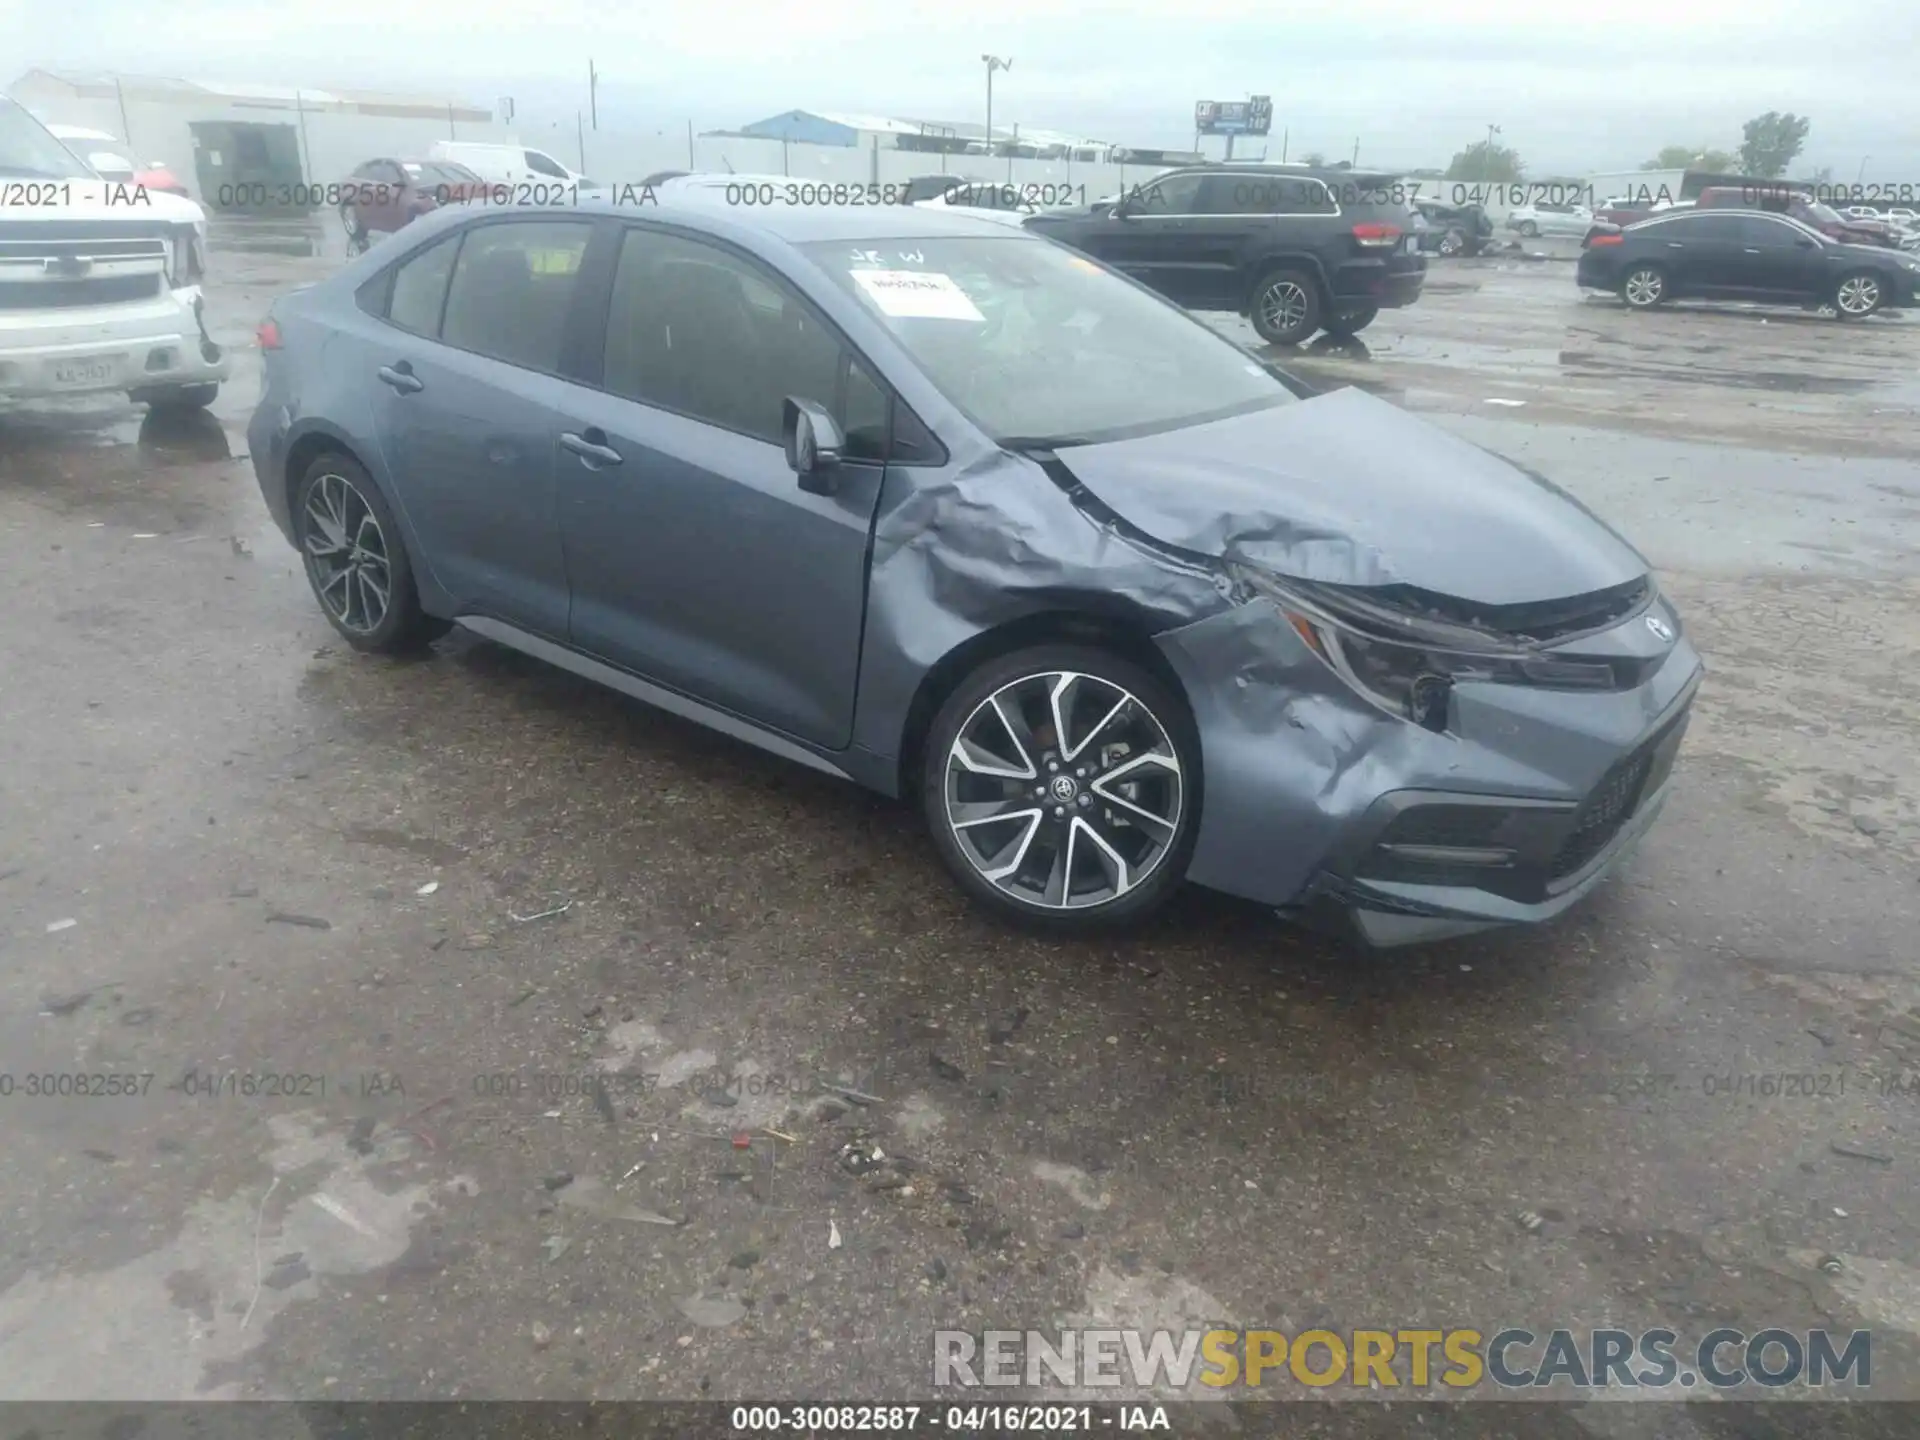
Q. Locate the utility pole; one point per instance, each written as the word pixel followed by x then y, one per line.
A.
pixel 993 63
pixel 1486 157
pixel 1356 150
pixel 593 94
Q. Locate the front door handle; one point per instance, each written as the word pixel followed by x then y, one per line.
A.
pixel 402 378
pixel 1752 251
pixel 591 447
pixel 1675 245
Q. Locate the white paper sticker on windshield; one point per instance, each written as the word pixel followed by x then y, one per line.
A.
pixel 916 295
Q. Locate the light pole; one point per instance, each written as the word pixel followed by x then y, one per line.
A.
pixel 1860 174
pixel 993 63
pixel 1486 155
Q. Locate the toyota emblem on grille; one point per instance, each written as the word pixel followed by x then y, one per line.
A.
pixel 1659 627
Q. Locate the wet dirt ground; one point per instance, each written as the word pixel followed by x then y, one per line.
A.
pixel 433 966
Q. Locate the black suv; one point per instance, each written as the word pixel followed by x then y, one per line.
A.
pixel 1294 248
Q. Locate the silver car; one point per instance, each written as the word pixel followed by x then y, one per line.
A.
pixel 1532 220
pixel 959 514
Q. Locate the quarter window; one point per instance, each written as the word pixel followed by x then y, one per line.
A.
pixel 698 330
pixel 420 288
pixel 512 289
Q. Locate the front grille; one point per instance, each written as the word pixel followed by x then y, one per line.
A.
pixel 1605 810
pixel 88 290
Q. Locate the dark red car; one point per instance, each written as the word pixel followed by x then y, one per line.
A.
pixel 1801 206
pixel 382 196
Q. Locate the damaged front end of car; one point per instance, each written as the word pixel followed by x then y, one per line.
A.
pixel 1419 768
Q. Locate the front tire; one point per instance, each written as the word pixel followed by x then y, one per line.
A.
pixel 1062 787
pixel 1352 319
pixel 1858 295
pixel 1286 307
pixel 1452 243
pixel 356 561
pixel 1529 229
pixel 1644 287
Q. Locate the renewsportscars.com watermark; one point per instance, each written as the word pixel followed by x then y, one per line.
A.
pixel 1451 1360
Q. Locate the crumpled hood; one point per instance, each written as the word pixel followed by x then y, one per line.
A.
pixel 1349 490
pixel 106 200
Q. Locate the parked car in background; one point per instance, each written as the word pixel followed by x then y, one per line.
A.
pixel 1025 544
pixel 1801 206
pixel 932 187
pixel 984 199
pixel 1296 249
pixel 1753 255
pixel 1545 219
pixel 108 158
pixel 382 196
pixel 514 165
pixel 1453 229
pixel 97 295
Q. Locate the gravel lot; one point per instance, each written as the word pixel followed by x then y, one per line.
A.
pixel 1217 1118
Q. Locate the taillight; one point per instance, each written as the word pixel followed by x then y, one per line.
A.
pixel 1376 236
pixel 1606 240
pixel 268 335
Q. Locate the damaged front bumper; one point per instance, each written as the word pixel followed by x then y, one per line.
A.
pixel 1317 802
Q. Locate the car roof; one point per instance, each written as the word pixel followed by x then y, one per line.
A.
pixel 794 224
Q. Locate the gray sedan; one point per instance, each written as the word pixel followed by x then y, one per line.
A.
pixel 953 512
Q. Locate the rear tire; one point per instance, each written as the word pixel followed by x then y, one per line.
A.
pixel 1858 295
pixel 1285 308
pixel 1090 834
pixel 356 560
pixel 1452 243
pixel 1351 320
pixel 1529 229
pixel 1644 287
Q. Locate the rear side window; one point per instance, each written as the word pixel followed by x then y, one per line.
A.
pixel 512 289
pixel 420 288
pixel 543 165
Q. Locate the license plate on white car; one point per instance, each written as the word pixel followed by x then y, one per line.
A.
pixel 75 373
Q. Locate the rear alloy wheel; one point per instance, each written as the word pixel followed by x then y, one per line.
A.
pixel 1529 229
pixel 1061 785
pixel 1644 287
pixel 356 561
pixel 1351 319
pixel 1452 243
pixel 1286 307
pixel 1858 295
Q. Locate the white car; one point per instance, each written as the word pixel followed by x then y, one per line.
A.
pixel 1003 204
pixel 514 165
pixel 99 280
pixel 1531 220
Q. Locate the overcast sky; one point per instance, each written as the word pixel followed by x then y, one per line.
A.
pixel 1575 89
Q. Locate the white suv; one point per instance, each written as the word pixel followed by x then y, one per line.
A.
pixel 99 281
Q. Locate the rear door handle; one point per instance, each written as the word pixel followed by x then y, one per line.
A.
pixel 1752 251
pixel 591 447
pixel 1675 245
pixel 402 378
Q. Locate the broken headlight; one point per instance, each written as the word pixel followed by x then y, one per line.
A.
pixel 1411 678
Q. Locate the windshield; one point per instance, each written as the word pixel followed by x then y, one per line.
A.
pixel 26 149
pixel 1036 343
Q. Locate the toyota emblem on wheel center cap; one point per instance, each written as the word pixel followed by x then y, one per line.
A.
pixel 1064 788
pixel 1659 627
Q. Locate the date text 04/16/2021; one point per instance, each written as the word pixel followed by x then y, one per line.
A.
pixel 837 1419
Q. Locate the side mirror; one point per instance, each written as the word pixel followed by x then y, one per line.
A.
pixel 813 442
pixel 1120 210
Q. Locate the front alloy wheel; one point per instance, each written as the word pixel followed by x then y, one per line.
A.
pixel 1061 791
